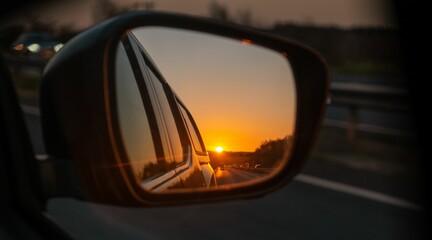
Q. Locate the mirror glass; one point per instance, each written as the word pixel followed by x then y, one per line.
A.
pixel 202 111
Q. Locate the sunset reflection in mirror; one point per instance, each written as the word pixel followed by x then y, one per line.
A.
pixel 236 98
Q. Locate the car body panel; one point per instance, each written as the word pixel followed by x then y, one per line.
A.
pixel 189 173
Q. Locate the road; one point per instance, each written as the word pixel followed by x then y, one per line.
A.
pixel 236 175
pixel 309 208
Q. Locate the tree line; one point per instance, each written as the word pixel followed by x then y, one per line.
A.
pixel 269 154
pixel 359 50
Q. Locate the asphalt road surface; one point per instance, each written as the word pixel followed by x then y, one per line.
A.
pixel 310 207
pixel 236 175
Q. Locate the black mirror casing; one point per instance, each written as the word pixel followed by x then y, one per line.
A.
pixel 77 109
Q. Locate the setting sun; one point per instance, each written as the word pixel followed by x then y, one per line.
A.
pixel 219 149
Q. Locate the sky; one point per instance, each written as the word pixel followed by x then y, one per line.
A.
pixel 239 94
pixel 342 13
pixel 345 13
pixel 264 13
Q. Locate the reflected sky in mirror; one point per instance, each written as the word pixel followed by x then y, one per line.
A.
pixel 239 94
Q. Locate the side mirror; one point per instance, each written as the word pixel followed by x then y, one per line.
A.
pixel 153 108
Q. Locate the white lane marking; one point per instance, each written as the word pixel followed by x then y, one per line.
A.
pixel 30 110
pixel 359 192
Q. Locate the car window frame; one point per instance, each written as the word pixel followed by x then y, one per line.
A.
pixel 194 126
pixel 159 181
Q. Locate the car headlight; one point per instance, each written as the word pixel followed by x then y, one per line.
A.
pixel 57 47
pixel 34 48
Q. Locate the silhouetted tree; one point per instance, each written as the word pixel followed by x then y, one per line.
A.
pixel 271 152
pixel 245 17
pixel 359 47
pixel 104 9
pixel 219 11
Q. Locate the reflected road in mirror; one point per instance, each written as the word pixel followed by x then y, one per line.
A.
pixel 232 175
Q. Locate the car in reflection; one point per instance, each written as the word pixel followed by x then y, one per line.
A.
pixel 182 161
pixel 36 45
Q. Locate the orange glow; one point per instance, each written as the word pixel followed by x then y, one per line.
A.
pixel 219 149
pixel 246 41
pixel 241 136
pixel 242 97
pixel 19 47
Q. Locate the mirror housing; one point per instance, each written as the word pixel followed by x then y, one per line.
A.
pixel 76 110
